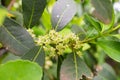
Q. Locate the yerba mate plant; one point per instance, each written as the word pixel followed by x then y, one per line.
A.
pixel 59 40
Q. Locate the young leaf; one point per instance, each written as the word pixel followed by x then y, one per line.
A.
pixel 15 38
pixel 93 22
pixel 112 48
pixel 32 11
pixel 63 12
pixel 103 10
pixel 20 70
pixel 73 68
pixel 36 54
pixel 106 73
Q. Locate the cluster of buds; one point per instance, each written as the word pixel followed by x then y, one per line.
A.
pixel 31 32
pixel 48 63
pixel 55 43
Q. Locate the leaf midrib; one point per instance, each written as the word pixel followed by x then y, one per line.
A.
pixel 37 54
pixel 32 13
pixel 61 17
pixel 14 37
pixel 76 67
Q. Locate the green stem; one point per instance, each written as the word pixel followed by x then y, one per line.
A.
pixel 76 68
pixel 115 28
pixel 102 34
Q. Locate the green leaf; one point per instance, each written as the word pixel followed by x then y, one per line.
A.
pixel 17 16
pixel 73 68
pixel 78 31
pixel 91 32
pixel 63 11
pixel 103 10
pixel 32 11
pixel 94 23
pixel 15 38
pixel 111 47
pixel 89 59
pixel 59 63
pixel 3 14
pixel 45 19
pixel 106 73
pixel 36 54
pixel 20 70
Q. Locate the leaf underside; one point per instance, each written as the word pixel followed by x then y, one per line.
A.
pixel 63 11
pixel 73 68
pixel 103 10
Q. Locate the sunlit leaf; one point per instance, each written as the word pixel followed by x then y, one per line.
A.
pixel 45 19
pixel 63 11
pixel 20 70
pixel 3 14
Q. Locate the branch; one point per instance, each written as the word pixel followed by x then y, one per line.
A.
pixel 11 4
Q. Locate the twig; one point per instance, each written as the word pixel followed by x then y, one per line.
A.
pixel 105 34
pixel 11 4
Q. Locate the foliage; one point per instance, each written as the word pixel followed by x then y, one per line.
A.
pixel 68 39
pixel 20 70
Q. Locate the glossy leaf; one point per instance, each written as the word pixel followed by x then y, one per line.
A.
pixel 20 70
pixel 103 10
pixel 73 68
pixel 15 38
pixel 36 54
pixel 32 11
pixel 111 47
pixel 106 73
pixel 63 11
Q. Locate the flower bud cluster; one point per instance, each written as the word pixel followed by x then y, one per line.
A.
pixel 48 63
pixel 31 32
pixel 55 43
